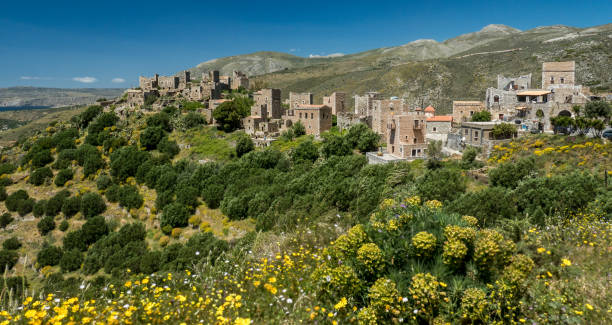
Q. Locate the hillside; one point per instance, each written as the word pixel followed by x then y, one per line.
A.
pixel 23 97
pixel 158 218
pixel 430 72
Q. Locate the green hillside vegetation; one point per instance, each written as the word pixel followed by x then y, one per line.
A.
pixel 101 209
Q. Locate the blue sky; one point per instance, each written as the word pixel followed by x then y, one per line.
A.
pixel 109 43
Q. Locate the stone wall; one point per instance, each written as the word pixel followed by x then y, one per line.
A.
pixel 272 99
pixel 406 135
pixel 463 110
pixel 346 120
pixel 297 99
pixel 337 102
pixel 513 83
pixel 554 73
pixel 315 118
pixel 168 82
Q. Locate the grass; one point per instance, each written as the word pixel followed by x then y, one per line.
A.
pixel 37 121
pixel 207 143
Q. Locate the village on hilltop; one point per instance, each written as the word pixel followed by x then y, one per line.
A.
pixel 405 129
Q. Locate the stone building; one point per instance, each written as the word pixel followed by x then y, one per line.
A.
pixel 463 110
pixel 438 127
pixel 210 76
pixel 479 134
pixel 272 99
pixel 558 73
pixel 148 83
pixel 226 80
pixel 382 109
pixel 336 101
pixel 169 82
pixel 363 104
pixel 315 118
pixel 184 79
pixel 405 135
pixel 136 98
pixel 239 80
pixel 297 99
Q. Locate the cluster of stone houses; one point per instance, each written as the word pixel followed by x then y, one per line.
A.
pixel 405 129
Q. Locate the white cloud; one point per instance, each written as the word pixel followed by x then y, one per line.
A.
pixel 34 78
pixel 118 80
pixel 86 80
pixel 333 55
pixel 292 50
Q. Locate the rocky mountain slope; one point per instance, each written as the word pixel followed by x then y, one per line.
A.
pixel 430 72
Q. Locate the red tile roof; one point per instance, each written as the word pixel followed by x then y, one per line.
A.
pixel 441 118
pixel 430 109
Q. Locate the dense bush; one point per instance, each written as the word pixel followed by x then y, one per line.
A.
pixel 151 136
pixel 305 151
pixel 25 207
pixel 8 259
pixel 46 225
pixel 441 184
pixel 228 116
pixel 40 158
pixel 489 205
pixel 112 193
pixel 40 176
pixel 244 145
pixel 71 260
pixel 5 181
pixel 64 225
pixel 49 255
pixel 192 119
pixel 3 194
pixel 11 243
pixel 39 208
pixel 71 206
pixel 103 182
pixel 125 162
pixel 55 203
pixel 7 168
pixel 509 174
pixel 168 147
pixel 175 215
pixel 14 199
pixel 65 158
pixel 361 137
pixel 63 176
pixel 160 120
pixel 5 219
pixel 14 284
pixel 89 115
pixel 129 197
pixel 92 204
pixel 482 116
pixel 335 145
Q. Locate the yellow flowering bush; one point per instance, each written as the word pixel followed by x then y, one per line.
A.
pixel 367 316
pixel 464 234
pixel 454 252
pixel 472 221
pixel 474 305
pixel 413 200
pixel 424 244
pixel 425 294
pixel 349 243
pixel 371 257
pixel 384 298
pixel 342 280
pixel 433 205
pixel 491 249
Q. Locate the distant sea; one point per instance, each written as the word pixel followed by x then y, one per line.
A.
pixel 21 108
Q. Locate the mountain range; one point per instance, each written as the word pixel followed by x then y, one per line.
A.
pixel 431 72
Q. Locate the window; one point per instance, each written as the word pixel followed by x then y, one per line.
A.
pixel 552 80
pixel 414 140
pixel 413 152
pixel 562 80
pixel 312 115
pixel 300 115
pixel 471 113
pixel 435 129
pixel 303 101
pixel 392 149
pixel 466 131
pixel 496 99
pixel 501 116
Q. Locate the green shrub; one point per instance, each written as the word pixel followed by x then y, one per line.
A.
pixel 55 203
pixel 305 151
pixel 7 168
pixel 41 158
pixel 8 259
pixel 192 119
pixel 94 229
pixel 3 194
pixel 5 181
pixel 175 215
pixel 335 145
pixel 92 204
pixel 74 240
pixel 49 255
pixel 103 182
pixel 5 219
pixel 112 193
pixel 71 260
pixel 509 174
pixel 129 197
pixel 88 115
pixel 40 176
pixel 14 199
pixel 161 120
pixel 25 207
pixel 441 184
pixel 125 162
pixel 488 205
pixel 63 176
pixel 151 136
pixel 71 206
pixel 46 225
pixel 244 145
pixel 168 147
pixel 64 225
pixel 363 138
pixel 14 284
pixel 482 116
pixel 39 208
pixel 11 244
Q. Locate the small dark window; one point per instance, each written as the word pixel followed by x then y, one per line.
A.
pixel 496 99
pixel 562 80
pixel 552 80
pixel 435 129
